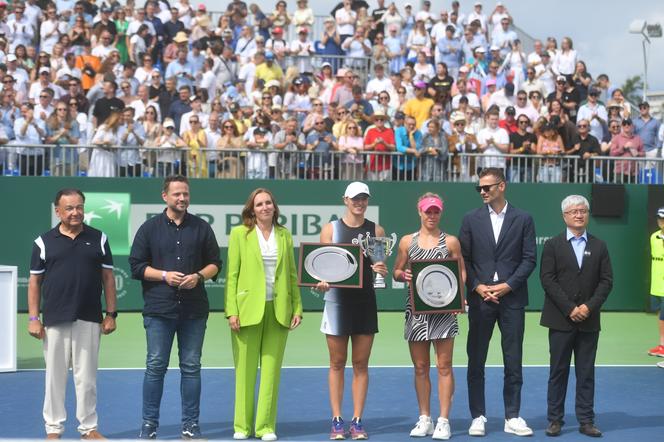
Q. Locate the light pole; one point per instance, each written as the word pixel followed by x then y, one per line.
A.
pixel 647 31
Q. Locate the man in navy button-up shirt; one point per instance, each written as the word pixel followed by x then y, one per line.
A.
pixel 173 254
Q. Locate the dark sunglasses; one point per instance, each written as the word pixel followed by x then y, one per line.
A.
pixel 486 188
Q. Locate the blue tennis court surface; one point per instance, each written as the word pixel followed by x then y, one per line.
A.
pixel 628 404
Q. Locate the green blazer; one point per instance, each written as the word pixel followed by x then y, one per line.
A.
pixel 245 278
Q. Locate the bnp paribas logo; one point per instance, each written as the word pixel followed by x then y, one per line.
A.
pixel 109 212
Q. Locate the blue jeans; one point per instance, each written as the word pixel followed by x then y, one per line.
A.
pixel 160 333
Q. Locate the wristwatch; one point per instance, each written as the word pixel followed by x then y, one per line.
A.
pixel 112 314
pixel 201 278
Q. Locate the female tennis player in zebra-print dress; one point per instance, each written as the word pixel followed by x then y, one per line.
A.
pixel 438 329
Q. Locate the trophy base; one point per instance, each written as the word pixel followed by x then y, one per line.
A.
pixel 379 282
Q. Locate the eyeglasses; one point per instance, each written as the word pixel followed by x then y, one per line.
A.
pixel 62 109
pixel 126 87
pixel 486 188
pixel 150 112
pixel 523 121
pixel 228 126
pixel 73 84
pixel 318 104
pixel 8 81
pixel 44 96
pixel 614 126
pixel 73 104
pixel 383 98
pixel 577 212
pixel 193 121
pixel 267 97
pixel 401 92
pixel 521 98
pixel 352 127
pixel 342 113
pixel 156 76
pixel 460 123
pixel 320 122
pixel 582 126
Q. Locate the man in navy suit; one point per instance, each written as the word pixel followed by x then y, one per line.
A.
pixel 498 246
pixel 576 276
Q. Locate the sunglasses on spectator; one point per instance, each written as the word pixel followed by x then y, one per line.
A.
pixel 151 112
pixel 44 96
pixel 228 126
pixel 8 81
pixel 73 103
pixel 61 108
pixel 352 127
pixel 193 121
pixel 486 188
pixel 267 97
pixel 523 121
pixel 383 98
pixel 342 112
pixel 402 92
pixel 318 104
pixel 582 126
pixel 320 122
pixel 521 98
pixel 460 123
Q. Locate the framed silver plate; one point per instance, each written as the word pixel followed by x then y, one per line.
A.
pixel 437 285
pixel 331 264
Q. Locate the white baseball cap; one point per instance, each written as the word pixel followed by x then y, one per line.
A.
pixel 356 188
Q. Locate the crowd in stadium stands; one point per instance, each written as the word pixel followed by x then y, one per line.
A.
pixel 427 85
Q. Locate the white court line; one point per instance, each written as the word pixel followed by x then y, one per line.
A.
pixel 320 367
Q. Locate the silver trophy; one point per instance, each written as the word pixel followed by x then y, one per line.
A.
pixel 378 248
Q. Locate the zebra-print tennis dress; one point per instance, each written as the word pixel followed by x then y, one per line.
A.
pixel 431 326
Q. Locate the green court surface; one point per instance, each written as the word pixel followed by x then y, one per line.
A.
pixel 624 340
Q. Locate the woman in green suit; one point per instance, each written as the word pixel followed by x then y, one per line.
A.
pixel 262 304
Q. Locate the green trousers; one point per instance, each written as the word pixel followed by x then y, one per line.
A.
pixel 262 343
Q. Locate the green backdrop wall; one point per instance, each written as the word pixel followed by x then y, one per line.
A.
pixel 119 206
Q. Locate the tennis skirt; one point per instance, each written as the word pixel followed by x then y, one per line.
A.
pixel 359 318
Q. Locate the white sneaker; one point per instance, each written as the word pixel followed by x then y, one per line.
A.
pixel 423 427
pixel 269 436
pixel 517 426
pixel 660 364
pixel 238 435
pixel 477 427
pixel 442 431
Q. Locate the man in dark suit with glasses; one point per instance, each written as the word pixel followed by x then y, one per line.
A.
pixel 576 276
pixel 498 246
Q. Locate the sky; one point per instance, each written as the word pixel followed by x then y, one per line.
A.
pixel 599 29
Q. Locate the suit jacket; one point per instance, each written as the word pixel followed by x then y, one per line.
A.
pixel 245 278
pixel 513 257
pixel 566 285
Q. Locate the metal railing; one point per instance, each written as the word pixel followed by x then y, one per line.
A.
pixel 70 160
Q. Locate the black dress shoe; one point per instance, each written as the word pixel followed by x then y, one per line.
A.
pixel 590 429
pixel 554 428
